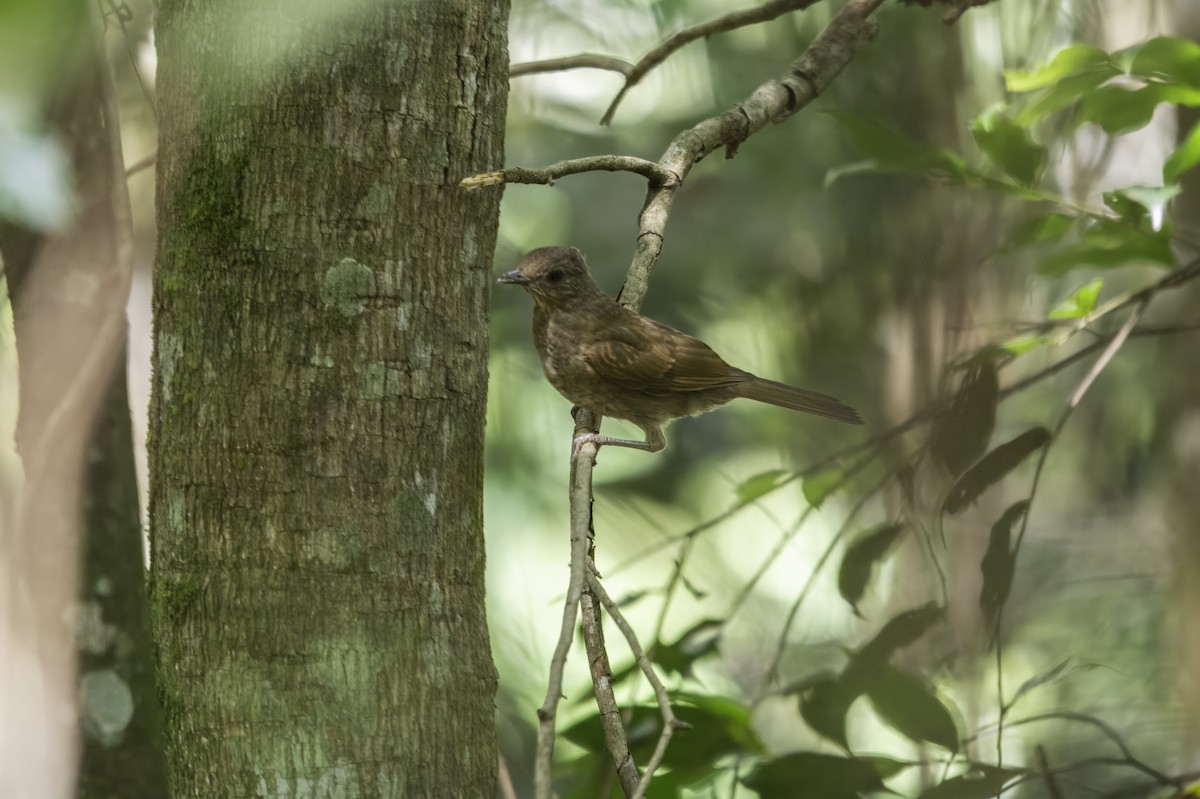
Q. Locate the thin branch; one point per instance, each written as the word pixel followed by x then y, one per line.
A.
pixel 670 721
pixel 615 740
pixel 581 534
pixel 1051 780
pixel 1076 397
pixel 578 61
pixel 1105 729
pixel 781 644
pixel 655 174
pixel 727 22
pixel 507 790
pixel 138 166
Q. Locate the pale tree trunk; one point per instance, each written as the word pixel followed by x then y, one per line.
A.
pixel 69 289
pixel 316 456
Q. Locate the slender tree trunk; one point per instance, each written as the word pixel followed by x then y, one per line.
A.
pixel 75 440
pixel 316 457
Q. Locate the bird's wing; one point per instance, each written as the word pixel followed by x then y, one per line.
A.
pixel 642 355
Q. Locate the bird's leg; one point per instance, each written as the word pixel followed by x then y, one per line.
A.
pixel 655 441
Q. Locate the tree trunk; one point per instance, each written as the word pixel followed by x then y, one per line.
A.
pixel 320 371
pixel 74 435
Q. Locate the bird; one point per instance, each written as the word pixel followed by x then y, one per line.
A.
pixel 608 359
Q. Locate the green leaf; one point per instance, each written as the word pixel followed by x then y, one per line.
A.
pixel 980 782
pixel 1047 228
pixel 909 705
pixel 1144 207
pixel 900 631
pixel 888 151
pixel 1061 95
pixel 699 641
pixel 860 560
pixel 760 485
pixel 820 486
pixel 1009 146
pixel 1118 109
pixel 998 565
pixel 815 775
pixel 1081 58
pixel 994 466
pixel 719 727
pixel 1186 157
pixel 823 706
pixel 961 434
pixel 1081 303
pixel 1167 58
pixel 1022 344
pixel 1108 243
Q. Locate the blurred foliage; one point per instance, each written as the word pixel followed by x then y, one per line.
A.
pixel 923 239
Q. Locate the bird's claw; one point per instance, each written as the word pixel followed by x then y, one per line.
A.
pixel 586 438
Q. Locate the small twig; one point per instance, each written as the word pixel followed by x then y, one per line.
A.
pixel 670 721
pixel 138 166
pixel 1047 775
pixel 787 537
pixel 507 790
pixel 596 163
pixel 727 22
pixel 1105 729
pixel 781 644
pixel 578 61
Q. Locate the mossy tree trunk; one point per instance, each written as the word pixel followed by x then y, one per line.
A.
pixel 321 302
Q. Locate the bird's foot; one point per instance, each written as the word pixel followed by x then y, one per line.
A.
pixel 586 438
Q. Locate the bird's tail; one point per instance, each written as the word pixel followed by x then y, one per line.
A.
pixel 797 399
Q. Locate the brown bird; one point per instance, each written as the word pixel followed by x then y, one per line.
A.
pixel 608 359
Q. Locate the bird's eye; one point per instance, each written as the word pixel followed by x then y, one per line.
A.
pixel 555 275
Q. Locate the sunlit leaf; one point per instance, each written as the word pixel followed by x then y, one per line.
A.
pixel 760 484
pixel 818 487
pixel 961 434
pixel 1009 146
pixel 1167 58
pixel 909 705
pixel 1142 204
pixel 860 560
pixel 1118 109
pixel 1062 94
pixel 997 463
pixel 1108 243
pixel 1081 302
pixel 1186 157
pixel 1022 344
pixel 815 775
pixel 999 564
pixel 1068 61
pixel 980 782
pixel 1047 228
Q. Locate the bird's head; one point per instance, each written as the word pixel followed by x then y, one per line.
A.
pixel 555 276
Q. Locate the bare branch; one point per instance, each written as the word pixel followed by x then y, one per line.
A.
pixel 578 61
pixel 670 721
pixel 581 534
pixel 772 102
pixel 596 163
pixel 727 22
pixel 615 740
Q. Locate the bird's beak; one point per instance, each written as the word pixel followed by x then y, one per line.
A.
pixel 515 276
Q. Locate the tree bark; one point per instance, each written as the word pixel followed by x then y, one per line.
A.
pixel 320 370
